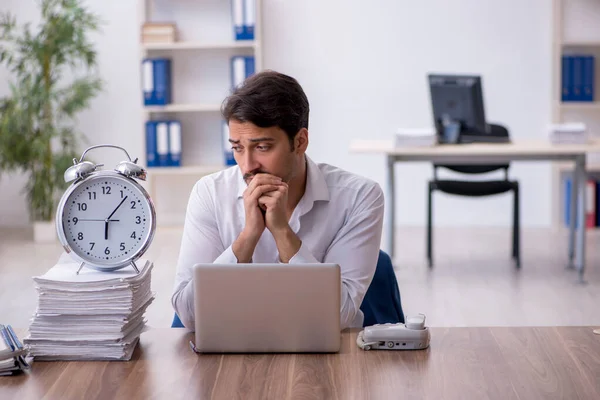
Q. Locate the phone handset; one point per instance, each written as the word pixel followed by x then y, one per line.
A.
pixel 417 322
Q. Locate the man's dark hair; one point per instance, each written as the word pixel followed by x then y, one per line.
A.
pixel 268 99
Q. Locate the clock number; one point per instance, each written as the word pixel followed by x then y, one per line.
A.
pixel 133 235
pixel 75 220
pixel 92 243
pixel 138 220
pixel 80 236
pixel 122 246
pixel 106 251
pixel 82 206
pixel 121 193
pixel 105 189
pixel 133 205
pixel 92 195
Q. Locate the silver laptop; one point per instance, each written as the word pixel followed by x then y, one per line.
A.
pixel 267 308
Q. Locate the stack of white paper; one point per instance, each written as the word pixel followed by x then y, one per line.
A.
pixel 415 137
pixel 93 315
pixel 574 132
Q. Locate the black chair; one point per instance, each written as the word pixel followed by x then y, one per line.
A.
pixel 476 189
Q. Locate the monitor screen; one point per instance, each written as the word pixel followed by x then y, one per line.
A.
pixel 457 105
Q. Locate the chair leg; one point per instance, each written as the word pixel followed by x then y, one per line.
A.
pixel 429 216
pixel 516 230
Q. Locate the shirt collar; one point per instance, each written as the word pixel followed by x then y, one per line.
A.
pixel 316 186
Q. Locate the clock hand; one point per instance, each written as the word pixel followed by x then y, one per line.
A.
pixel 108 219
pixel 115 210
pixel 102 220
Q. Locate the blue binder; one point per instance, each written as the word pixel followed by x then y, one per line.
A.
pixel 577 78
pixel 250 68
pixel 237 19
pixel 242 67
pixel 156 81
pixel 162 143
pixel 566 78
pixel 588 78
pixel 151 150
pixel 174 159
pixel 249 19
pixel 227 151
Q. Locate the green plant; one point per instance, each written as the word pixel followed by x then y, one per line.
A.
pixel 54 78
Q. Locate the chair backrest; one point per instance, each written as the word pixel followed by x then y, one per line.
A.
pixel 496 130
pixel 382 303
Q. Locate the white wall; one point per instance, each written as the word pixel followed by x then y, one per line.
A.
pixel 363 66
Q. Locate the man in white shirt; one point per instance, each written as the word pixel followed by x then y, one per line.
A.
pixel 277 205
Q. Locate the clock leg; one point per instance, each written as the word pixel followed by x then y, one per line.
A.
pixel 135 267
pixel 81 266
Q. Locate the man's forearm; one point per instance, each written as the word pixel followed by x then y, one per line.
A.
pixel 243 247
pixel 287 243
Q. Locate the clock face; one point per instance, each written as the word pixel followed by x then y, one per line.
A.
pixel 107 220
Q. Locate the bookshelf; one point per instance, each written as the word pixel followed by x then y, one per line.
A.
pixel 575 31
pixel 201 78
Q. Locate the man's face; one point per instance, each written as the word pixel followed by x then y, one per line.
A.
pixel 263 150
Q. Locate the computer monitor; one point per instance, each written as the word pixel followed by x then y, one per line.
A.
pixel 457 105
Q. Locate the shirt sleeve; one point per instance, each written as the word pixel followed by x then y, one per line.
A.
pixel 200 243
pixel 355 248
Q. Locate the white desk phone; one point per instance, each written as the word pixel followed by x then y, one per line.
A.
pixel 413 335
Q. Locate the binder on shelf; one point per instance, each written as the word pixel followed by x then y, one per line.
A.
pixel 597 203
pixel 592 203
pixel 566 78
pixel 162 143
pixel 156 81
pixel 237 17
pixel 242 67
pixel 227 150
pixel 577 78
pixel 590 209
pixel 151 145
pixel 588 78
pixel 250 67
pixel 249 19
pixel 174 144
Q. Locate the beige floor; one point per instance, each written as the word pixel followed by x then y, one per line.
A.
pixel 472 284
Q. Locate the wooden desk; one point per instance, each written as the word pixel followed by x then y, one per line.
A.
pixel 492 153
pixel 461 363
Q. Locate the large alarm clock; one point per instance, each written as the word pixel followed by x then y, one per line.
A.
pixel 105 220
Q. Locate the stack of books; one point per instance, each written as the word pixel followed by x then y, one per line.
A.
pixel 415 137
pixel 159 32
pixel 12 352
pixel 573 133
pixel 93 315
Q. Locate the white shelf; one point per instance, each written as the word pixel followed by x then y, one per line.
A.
pixel 569 166
pixel 183 108
pixel 581 105
pixel 581 43
pixel 242 44
pixel 199 170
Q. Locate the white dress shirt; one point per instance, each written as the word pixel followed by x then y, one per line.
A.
pixel 338 219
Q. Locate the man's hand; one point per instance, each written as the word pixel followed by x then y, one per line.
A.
pixel 275 204
pixel 276 219
pixel 244 245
